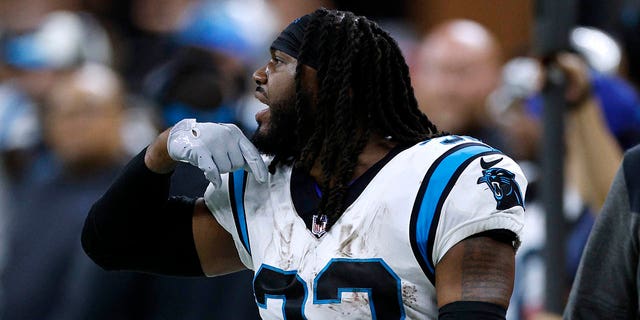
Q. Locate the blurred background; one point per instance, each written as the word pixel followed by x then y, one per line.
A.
pixel 86 84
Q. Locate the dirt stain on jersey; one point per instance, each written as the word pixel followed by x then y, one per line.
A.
pixel 409 293
pixel 355 236
pixel 347 238
pixel 352 303
pixel 286 234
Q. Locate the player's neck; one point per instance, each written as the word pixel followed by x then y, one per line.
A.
pixel 376 148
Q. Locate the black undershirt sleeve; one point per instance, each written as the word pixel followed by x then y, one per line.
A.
pixel 464 310
pixel 502 235
pixel 136 226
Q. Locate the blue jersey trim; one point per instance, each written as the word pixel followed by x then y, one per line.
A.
pixel 237 184
pixel 435 188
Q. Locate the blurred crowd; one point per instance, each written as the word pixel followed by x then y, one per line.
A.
pixel 84 85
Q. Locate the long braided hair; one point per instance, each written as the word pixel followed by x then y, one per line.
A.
pixel 363 89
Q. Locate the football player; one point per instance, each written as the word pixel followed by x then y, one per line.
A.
pixel 348 203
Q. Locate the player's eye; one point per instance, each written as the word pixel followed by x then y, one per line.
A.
pixel 276 60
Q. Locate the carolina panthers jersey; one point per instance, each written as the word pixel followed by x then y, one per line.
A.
pixel 377 261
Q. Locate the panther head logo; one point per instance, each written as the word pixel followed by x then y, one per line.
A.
pixel 502 183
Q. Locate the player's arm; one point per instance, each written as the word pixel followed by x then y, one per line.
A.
pixel 136 226
pixel 474 279
pixel 214 246
pixel 216 251
pixel 476 238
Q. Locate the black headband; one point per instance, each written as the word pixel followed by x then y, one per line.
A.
pixel 290 41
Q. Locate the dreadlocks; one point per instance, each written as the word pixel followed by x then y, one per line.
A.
pixel 364 89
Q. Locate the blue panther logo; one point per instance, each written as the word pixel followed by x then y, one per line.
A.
pixel 502 183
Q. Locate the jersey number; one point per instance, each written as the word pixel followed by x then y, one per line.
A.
pixel 372 276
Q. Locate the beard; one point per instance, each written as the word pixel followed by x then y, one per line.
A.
pixel 279 139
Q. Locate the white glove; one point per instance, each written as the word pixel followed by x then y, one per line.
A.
pixel 215 149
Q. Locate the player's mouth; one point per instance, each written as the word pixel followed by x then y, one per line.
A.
pixel 261 95
pixel 263 115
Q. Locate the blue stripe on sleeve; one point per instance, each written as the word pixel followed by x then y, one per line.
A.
pixel 436 185
pixel 239 180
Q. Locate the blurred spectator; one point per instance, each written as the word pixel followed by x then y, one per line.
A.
pixel 33 60
pixel 141 31
pixel 614 110
pixel 194 84
pixel 457 68
pixel 85 153
pixel 36 47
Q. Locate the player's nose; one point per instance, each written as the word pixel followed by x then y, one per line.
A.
pixel 260 75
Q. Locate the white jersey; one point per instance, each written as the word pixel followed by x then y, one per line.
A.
pixel 378 260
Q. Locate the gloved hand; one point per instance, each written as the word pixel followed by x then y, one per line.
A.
pixel 215 149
